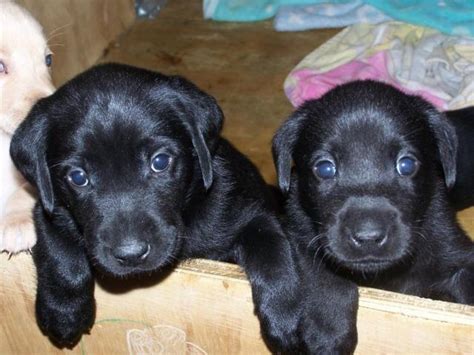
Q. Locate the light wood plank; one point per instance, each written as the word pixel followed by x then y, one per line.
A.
pixel 209 304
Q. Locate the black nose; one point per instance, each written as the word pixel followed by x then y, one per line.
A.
pixel 373 236
pixel 131 254
pixel 368 232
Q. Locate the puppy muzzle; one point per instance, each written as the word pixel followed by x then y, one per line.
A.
pixel 135 244
pixel 368 232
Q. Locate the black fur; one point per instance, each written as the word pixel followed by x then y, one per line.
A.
pixel 462 194
pixel 210 202
pixel 369 223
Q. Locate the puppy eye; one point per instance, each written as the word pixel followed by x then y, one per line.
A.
pixel 325 169
pixel 78 177
pixel 160 162
pixel 48 60
pixel 407 166
pixel 3 67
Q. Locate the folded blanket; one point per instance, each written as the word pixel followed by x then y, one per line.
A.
pixel 312 85
pixel 416 59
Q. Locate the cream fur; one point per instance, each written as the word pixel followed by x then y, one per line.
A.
pixel 23 48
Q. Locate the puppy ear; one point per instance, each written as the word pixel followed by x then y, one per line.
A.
pixel 447 140
pixel 204 156
pixel 282 148
pixel 28 152
pixel 203 119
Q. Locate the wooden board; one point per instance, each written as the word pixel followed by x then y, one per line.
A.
pixel 79 31
pixel 206 307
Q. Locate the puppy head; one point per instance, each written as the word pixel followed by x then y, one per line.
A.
pixel 24 65
pixel 121 149
pixel 367 159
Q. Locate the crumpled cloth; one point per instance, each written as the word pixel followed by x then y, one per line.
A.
pixel 416 59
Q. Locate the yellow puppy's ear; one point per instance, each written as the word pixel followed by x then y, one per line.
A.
pixel 28 152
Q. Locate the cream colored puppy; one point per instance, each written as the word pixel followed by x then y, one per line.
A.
pixel 24 78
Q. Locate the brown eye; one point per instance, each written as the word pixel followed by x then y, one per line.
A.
pixel 48 60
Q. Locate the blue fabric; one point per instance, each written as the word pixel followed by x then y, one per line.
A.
pixel 327 15
pixel 448 16
pixel 249 10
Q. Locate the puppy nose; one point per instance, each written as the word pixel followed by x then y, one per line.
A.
pixel 368 236
pixel 374 236
pixel 131 254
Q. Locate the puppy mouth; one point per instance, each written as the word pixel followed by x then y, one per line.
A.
pixel 363 264
pixel 365 261
pixel 370 264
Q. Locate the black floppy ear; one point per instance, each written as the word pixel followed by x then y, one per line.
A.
pixel 28 152
pixel 447 140
pixel 203 119
pixel 204 156
pixel 282 148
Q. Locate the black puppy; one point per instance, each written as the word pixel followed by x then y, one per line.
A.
pixel 368 193
pixel 133 176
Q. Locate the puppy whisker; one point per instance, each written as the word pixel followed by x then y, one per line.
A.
pixel 315 239
pixel 409 134
pixel 55 36
pixel 52 45
pixel 53 32
pixel 322 248
pixel 317 222
pixel 316 253
pixel 427 245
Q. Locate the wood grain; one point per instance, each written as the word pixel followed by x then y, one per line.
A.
pixel 79 31
pixel 210 305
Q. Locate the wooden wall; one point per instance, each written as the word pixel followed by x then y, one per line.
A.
pixel 79 31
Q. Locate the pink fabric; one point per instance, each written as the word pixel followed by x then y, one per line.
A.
pixel 312 85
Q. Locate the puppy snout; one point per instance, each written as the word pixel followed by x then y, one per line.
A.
pixel 368 223
pixel 132 253
pixel 368 233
